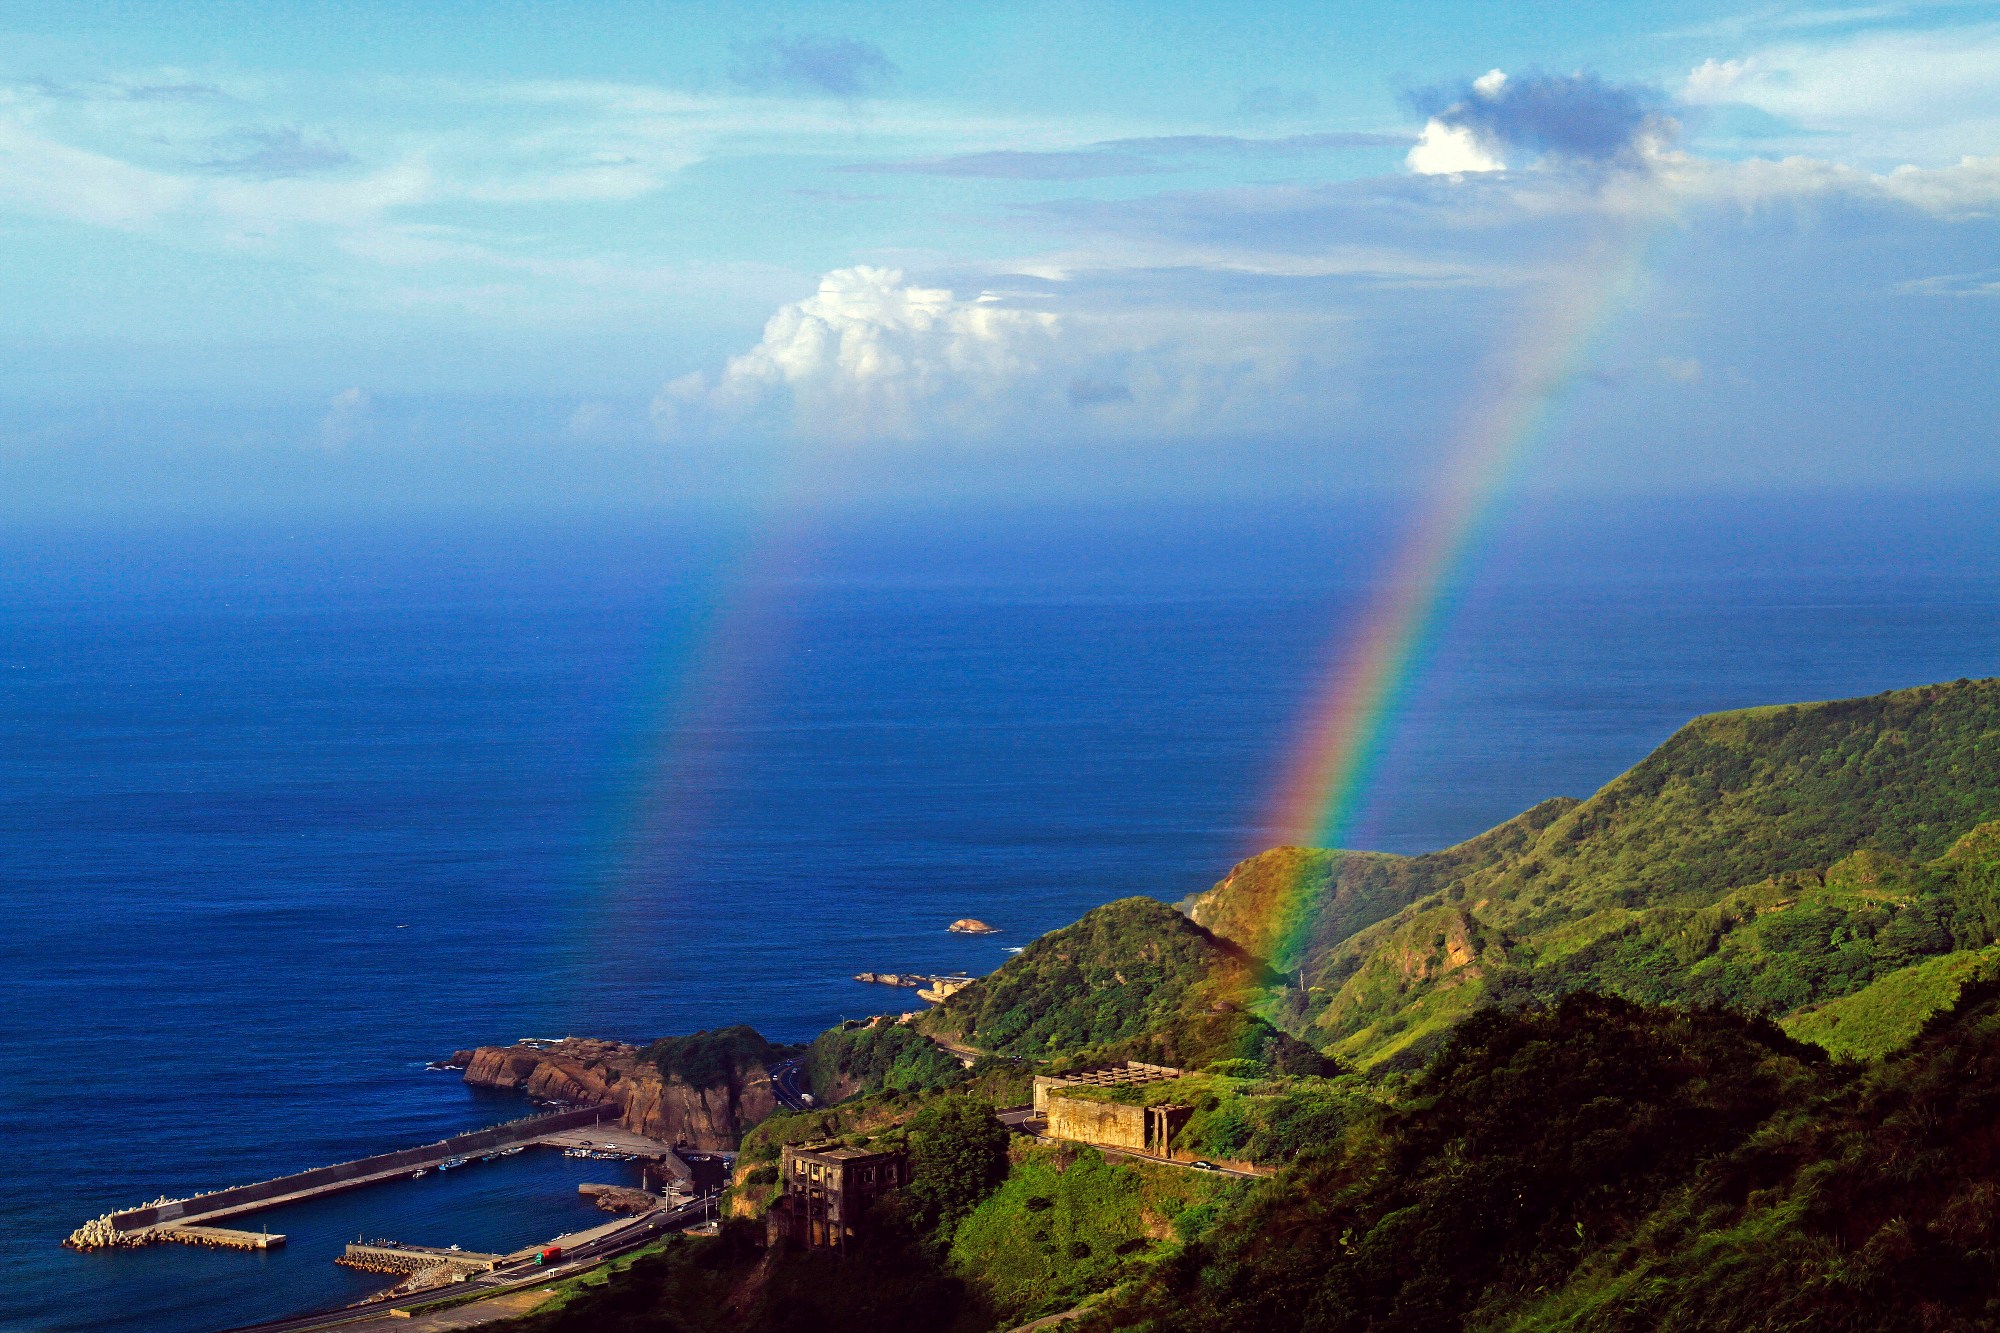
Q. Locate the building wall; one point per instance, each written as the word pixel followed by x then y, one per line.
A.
pixel 1105 1123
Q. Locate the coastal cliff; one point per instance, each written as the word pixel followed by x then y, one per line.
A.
pixel 705 1090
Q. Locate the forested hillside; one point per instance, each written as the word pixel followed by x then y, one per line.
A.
pixel 1771 860
pixel 1132 980
pixel 1600 1166
pixel 1716 1049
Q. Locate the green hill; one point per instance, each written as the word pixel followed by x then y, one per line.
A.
pixel 1769 859
pixel 1132 979
pixel 1598 1167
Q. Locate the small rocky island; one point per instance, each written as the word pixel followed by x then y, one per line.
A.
pixel 971 926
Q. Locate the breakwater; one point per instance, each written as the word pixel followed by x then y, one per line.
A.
pixel 142 1226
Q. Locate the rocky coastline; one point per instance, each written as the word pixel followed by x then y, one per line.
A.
pixel 583 1071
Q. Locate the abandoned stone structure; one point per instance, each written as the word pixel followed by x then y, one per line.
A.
pixel 828 1189
pixel 1109 1076
pixel 1133 1128
pixel 1142 1129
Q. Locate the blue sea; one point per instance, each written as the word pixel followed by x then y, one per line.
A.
pixel 287 810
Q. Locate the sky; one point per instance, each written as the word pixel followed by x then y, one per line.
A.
pixel 291 255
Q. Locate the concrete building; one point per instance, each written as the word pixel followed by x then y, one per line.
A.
pixel 1108 1124
pixel 1109 1076
pixel 828 1189
pixel 1140 1129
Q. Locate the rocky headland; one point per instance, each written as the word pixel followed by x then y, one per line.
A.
pixel 707 1102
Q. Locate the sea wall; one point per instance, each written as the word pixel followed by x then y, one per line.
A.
pixel 320 1178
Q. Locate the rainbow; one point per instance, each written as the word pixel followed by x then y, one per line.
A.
pixel 1325 783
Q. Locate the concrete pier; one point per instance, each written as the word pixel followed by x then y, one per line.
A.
pixel 390 1256
pixel 221 1238
pixel 142 1226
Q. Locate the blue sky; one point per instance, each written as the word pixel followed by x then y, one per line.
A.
pixel 304 254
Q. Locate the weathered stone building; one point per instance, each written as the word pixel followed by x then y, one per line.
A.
pixel 1111 1124
pixel 1142 1129
pixel 828 1189
pixel 1107 1076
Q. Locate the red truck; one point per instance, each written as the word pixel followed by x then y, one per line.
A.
pixel 550 1254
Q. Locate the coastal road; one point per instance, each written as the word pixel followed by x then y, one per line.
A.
pixel 517 1277
pixel 788 1082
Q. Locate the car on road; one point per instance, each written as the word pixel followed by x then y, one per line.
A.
pixel 1206 1166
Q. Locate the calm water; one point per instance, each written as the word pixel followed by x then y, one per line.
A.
pixel 286 812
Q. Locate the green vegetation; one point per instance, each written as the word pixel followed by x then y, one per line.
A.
pixel 1068 1224
pixel 727 1283
pixel 1716 1049
pixel 710 1059
pixel 1133 979
pixel 1534 1140
pixel 1267 1120
pixel 1886 1015
pixel 1770 859
pixel 858 1058
pixel 958 1156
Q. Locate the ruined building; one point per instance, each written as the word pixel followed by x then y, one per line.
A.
pixel 828 1189
pixel 1111 1124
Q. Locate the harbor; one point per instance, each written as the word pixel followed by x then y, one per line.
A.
pixel 170 1220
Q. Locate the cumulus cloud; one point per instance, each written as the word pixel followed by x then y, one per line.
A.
pixel 1450 150
pixel 870 355
pixel 874 358
pixel 815 63
pixel 1568 119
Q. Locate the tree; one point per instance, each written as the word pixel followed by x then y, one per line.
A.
pixel 958 1155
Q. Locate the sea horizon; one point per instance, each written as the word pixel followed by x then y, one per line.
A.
pixel 293 815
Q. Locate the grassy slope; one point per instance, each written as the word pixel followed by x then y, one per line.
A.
pixel 1134 978
pixel 1067 1224
pixel 1606 1168
pixel 1535 1141
pixel 1665 885
pixel 1885 1015
pixel 1292 903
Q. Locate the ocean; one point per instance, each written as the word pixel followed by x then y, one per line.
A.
pixel 289 809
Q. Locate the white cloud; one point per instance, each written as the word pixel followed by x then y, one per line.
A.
pixel 1450 150
pixel 872 357
pixel 869 356
pixel 1969 188
pixel 1890 97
